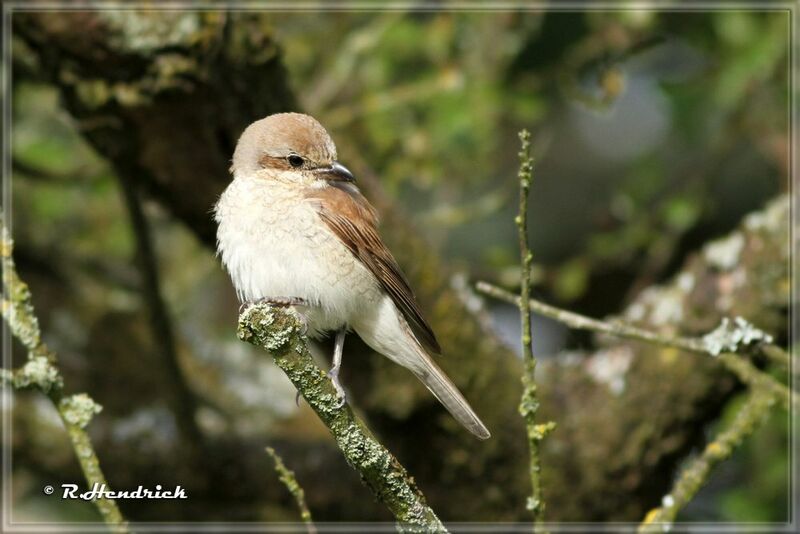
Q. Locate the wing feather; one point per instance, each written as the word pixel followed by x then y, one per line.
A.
pixel 351 218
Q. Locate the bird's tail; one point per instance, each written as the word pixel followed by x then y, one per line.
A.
pixel 443 389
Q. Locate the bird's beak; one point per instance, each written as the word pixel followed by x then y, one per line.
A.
pixel 337 172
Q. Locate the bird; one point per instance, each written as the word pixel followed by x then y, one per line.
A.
pixel 293 229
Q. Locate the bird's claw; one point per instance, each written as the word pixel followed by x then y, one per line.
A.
pixel 281 302
pixel 333 374
pixel 334 377
pixel 303 324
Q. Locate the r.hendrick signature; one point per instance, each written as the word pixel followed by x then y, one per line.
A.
pixel 99 491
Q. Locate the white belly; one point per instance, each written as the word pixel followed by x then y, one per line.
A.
pixel 273 244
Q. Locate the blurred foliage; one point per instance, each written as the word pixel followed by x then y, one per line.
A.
pixel 654 132
pixel 660 108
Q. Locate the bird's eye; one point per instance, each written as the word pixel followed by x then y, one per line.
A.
pixel 295 160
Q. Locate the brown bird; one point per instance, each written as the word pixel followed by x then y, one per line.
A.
pixel 294 229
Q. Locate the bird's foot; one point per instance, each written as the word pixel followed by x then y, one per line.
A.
pixel 281 302
pixel 333 374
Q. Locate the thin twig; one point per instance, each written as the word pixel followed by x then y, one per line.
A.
pixel 529 404
pixel 286 476
pixel 691 479
pixel 741 367
pixel 41 372
pixel 279 331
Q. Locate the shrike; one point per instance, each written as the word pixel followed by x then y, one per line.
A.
pixel 295 230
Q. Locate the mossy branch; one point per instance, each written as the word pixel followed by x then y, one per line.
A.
pixel 286 476
pixel 529 404
pixel 729 343
pixel 746 422
pixel 40 372
pixel 717 344
pixel 280 332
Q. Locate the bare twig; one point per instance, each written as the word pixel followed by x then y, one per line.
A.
pixel 740 366
pixel 747 420
pixel 286 476
pixel 529 404
pixel 280 332
pixel 40 372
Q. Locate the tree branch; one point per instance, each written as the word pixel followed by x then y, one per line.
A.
pixel 747 421
pixel 707 345
pixel 280 332
pixel 286 476
pixel 40 372
pixel 765 389
pixel 181 397
pixel 529 404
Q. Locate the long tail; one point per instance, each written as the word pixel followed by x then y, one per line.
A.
pixel 386 331
pixel 447 393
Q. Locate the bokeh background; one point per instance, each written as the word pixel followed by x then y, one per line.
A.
pixel 654 134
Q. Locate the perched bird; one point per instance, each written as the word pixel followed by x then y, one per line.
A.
pixel 295 230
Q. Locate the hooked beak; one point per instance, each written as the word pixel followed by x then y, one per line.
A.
pixel 337 172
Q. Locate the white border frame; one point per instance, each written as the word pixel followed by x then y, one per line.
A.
pixel 9 7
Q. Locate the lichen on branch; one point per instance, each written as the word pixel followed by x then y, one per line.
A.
pixel 41 372
pixel 286 476
pixel 280 331
pixel 744 335
pixel 695 475
pixel 529 404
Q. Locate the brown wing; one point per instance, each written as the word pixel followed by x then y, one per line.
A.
pixel 348 214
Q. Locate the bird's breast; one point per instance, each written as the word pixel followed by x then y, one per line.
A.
pixel 274 244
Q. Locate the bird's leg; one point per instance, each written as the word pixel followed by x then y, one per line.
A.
pixel 333 374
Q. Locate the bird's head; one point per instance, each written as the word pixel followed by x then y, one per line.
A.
pixel 289 147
